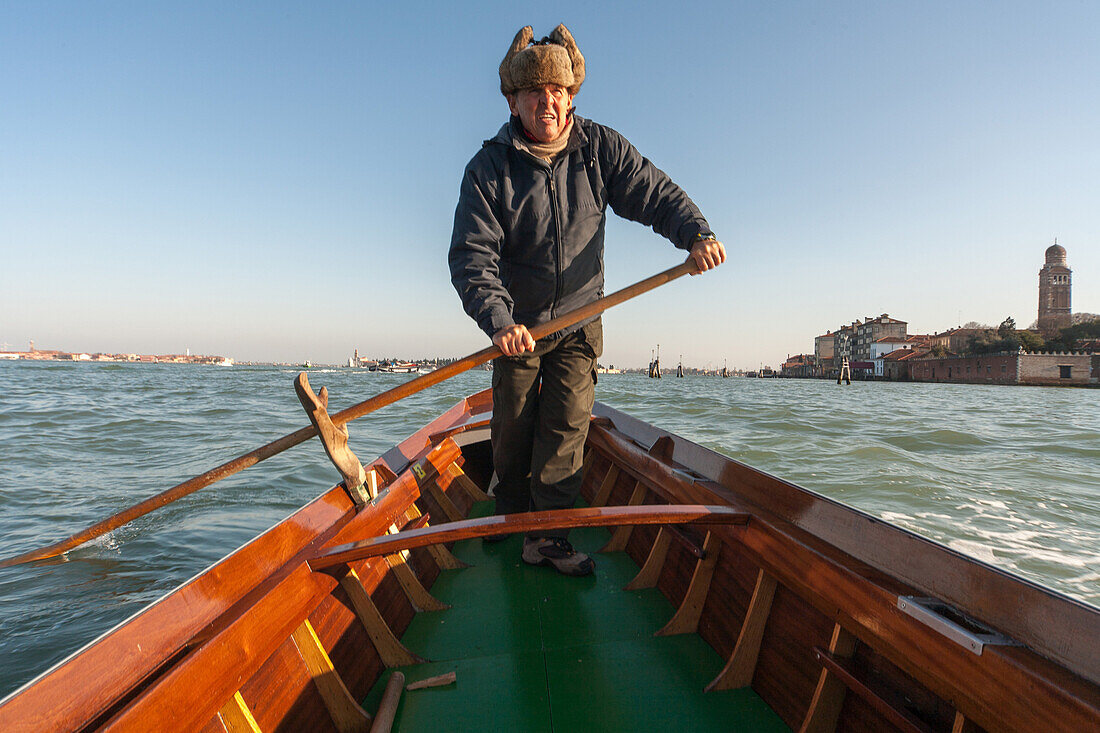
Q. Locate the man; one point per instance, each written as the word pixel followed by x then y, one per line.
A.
pixel 528 246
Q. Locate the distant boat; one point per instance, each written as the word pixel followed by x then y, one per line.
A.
pixel 398 367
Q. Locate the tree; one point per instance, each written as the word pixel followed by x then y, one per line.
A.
pixel 1005 338
pixel 1031 341
pixel 1067 338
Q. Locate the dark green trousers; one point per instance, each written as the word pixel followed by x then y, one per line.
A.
pixel 542 402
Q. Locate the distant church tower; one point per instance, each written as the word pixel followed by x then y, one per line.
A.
pixel 1054 291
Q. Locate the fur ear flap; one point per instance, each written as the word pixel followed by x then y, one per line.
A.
pixel 562 36
pixel 520 42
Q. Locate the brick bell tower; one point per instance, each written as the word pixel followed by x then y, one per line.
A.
pixel 1054 291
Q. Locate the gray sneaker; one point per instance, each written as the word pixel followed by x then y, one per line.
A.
pixel 557 553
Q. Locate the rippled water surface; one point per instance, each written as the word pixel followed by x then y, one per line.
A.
pixel 1009 475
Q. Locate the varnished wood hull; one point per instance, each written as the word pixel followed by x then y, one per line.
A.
pixel 802 598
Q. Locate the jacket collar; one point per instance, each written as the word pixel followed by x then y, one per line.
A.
pixel 578 138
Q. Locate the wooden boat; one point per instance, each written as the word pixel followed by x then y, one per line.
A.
pixel 749 604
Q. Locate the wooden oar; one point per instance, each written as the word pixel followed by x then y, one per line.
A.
pixel 355 411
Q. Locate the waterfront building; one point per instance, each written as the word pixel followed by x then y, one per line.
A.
pixel 956 339
pixel 1055 284
pixel 873 329
pixel 883 346
pixel 1069 369
pixel 895 365
pixel 824 348
pixel 801 365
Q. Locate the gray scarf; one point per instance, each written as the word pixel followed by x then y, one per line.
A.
pixel 547 151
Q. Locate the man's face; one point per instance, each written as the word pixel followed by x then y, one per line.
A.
pixel 543 109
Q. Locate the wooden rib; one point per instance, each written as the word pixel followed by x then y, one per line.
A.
pixel 651 570
pixel 464 482
pixel 236 717
pixel 415 591
pixel 741 666
pixel 390 650
pixel 686 618
pixel 345 712
pixel 824 710
pixel 963 724
pixel 589 457
pixel 445 504
pixel 528 522
pixel 621 536
pixel 608 483
pixel 900 719
pixel 443 557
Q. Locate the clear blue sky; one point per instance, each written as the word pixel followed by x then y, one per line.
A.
pixel 276 181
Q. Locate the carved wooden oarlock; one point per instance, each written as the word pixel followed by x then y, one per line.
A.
pixel 334 438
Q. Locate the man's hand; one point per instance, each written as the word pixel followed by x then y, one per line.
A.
pixel 514 340
pixel 707 254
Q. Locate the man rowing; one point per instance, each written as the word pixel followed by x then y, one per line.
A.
pixel 528 245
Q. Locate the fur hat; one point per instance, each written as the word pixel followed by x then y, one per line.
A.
pixel 553 60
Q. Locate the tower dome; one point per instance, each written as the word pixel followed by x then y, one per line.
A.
pixel 1056 255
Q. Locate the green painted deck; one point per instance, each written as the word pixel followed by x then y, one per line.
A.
pixel 536 651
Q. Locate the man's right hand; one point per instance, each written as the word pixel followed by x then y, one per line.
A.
pixel 514 340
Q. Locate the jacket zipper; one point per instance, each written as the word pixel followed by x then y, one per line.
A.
pixel 557 243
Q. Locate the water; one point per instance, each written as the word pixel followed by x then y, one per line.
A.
pixel 1006 474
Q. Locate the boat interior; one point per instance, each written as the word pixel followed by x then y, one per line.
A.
pixel 723 599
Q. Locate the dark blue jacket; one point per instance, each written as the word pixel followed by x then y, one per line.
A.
pixel 528 237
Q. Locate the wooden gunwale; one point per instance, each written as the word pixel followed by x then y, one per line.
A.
pixel 1049 622
pixel 138 646
pixel 117 665
pixel 219 665
pixel 216 647
pixel 1005 688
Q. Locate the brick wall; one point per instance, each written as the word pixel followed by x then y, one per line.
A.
pixel 984 369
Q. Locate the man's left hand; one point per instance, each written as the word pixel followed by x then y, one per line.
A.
pixel 707 254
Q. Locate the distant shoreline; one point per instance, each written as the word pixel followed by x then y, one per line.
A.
pixel 84 358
